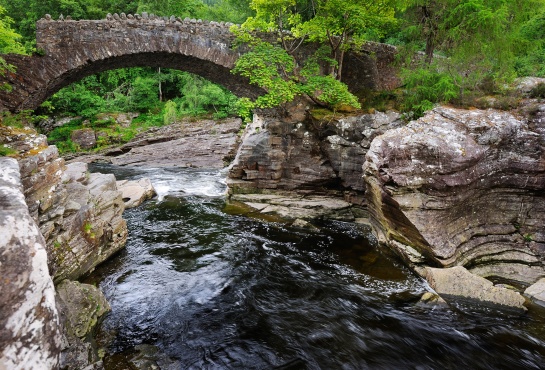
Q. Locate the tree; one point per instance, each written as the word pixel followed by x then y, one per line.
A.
pixel 9 43
pixel 340 25
pixel 469 48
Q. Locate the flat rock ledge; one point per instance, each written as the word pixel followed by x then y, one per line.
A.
pixel 298 207
pixel 458 283
pixel 135 192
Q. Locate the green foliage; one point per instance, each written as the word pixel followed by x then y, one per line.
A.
pixel 273 69
pixel 78 99
pixel 186 8
pixel 425 87
pixel 538 91
pixel 9 38
pixel 169 112
pixel 6 151
pixel 18 120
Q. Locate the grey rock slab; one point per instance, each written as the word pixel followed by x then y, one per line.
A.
pixel 536 292
pixel 135 192
pixel 458 283
pixel 29 324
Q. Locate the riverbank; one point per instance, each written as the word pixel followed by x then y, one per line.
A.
pixel 474 176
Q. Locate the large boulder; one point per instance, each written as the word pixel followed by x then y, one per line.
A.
pixel 463 188
pixel 85 138
pixel 135 192
pixel 29 324
pixel 456 283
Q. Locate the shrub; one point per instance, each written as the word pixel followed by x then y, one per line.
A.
pixel 538 91
pixel 424 87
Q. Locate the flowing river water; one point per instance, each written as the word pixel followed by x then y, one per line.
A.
pixel 200 287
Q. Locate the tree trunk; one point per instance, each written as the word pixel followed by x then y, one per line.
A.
pixel 340 66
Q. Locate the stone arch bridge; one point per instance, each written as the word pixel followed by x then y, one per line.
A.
pixel 71 50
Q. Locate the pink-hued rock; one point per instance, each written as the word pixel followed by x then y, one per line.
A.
pixel 463 188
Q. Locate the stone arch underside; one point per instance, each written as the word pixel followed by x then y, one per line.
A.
pixel 76 49
pixel 31 87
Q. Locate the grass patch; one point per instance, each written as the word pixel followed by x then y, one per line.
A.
pixel 7 151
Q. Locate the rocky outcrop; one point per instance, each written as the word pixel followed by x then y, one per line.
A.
pixel 205 143
pixel 307 151
pixel 135 192
pixel 81 306
pixel 71 222
pixel 29 324
pixel 536 292
pixel 84 138
pixel 298 208
pixel 79 214
pixel 463 188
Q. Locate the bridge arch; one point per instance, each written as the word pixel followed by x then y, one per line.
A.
pixel 73 50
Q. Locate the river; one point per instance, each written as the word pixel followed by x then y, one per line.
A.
pixel 200 287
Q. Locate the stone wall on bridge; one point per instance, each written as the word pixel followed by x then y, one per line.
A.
pixel 70 50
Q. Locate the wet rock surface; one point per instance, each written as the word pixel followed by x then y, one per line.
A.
pixel 298 207
pixel 81 306
pixel 463 188
pixel 536 292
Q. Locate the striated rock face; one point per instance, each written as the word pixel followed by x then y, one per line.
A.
pixel 79 214
pixel 463 188
pixel 205 143
pixel 29 324
pixel 306 153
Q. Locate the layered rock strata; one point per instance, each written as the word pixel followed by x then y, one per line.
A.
pixel 307 153
pixel 463 188
pixel 70 223
pixel 206 143
pixel 79 214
